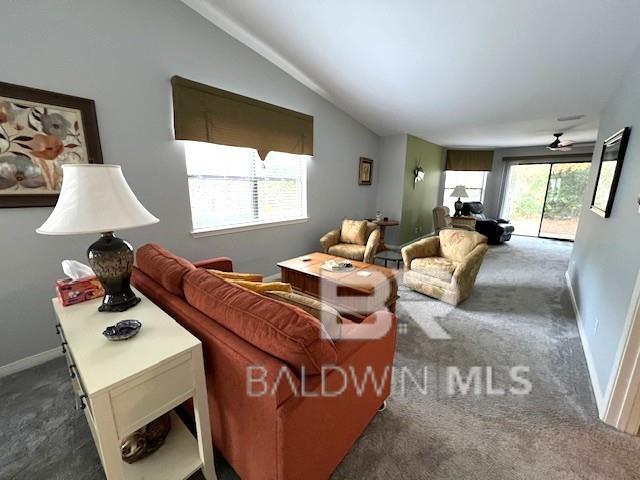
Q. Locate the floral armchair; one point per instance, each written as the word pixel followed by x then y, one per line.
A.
pixel 445 266
pixel 355 240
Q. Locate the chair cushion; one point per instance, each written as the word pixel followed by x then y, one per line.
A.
pixel 163 266
pixel 353 231
pixel 328 316
pixel 347 250
pixel 457 244
pixel 437 267
pixel 284 331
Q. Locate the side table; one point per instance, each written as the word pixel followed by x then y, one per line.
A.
pixel 122 386
pixel 390 256
pixel 468 223
pixel 383 224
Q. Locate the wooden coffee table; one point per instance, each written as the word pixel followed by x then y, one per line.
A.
pixel 365 290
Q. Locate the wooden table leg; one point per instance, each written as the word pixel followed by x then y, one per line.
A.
pixel 381 245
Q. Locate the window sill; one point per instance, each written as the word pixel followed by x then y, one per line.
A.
pixel 211 232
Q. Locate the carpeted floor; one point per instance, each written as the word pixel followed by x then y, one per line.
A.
pixel 519 315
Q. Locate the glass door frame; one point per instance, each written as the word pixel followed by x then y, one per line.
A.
pixel 539 160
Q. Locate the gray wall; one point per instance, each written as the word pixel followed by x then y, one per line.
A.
pixel 121 53
pixel 605 260
pixel 393 153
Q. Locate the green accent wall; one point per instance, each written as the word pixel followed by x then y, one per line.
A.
pixel 418 202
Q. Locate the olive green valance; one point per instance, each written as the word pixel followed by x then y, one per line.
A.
pixel 477 160
pixel 207 114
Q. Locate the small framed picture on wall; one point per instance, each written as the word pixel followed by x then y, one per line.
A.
pixel 365 171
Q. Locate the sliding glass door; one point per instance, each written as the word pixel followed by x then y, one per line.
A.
pixel 524 201
pixel 544 199
pixel 564 200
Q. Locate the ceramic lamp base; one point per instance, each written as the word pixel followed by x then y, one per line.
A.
pixel 458 207
pixel 111 259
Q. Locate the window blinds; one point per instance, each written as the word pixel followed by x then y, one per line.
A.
pixel 207 114
pixel 231 187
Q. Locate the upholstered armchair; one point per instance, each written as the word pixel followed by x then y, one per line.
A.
pixel 442 219
pixel 355 240
pixel 445 266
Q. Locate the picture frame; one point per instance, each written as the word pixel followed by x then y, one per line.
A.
pixel 611 161
pixel 39 132
pixel 365 171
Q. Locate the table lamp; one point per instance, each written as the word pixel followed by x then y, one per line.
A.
pixel 461 192
pixel 96 199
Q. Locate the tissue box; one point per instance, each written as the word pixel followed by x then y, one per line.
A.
pixel 71 291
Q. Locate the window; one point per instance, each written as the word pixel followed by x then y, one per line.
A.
pixel 230 187
pixel 474 183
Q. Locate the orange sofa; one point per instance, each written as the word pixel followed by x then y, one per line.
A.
pixel 311 416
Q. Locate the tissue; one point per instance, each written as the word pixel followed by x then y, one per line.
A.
pixel 76 270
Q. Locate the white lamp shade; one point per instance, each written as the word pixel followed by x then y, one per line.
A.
pixel 95 199
pixel 460 191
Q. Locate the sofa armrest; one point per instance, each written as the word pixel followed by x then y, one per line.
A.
pixel 224 264
pixel 330 239
pixel 372 246
pixel 427 247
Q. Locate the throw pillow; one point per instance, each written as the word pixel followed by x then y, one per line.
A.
pixel 353 231
pixel 261 287
pixel 327 315
pixel 249 277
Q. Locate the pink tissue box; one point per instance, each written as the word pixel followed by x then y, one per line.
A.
pixel 71 292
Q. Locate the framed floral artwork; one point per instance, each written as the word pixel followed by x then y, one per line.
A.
pixel 39 132
pixel 365 171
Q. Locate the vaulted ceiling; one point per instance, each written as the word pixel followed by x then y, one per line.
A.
pixel 468 73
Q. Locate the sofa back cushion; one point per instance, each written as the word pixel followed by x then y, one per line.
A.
pixel 283 331
pixel 457 244
pixel 353 231
pixel 163 266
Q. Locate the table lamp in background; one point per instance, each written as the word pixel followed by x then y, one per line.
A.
pixel 461 192
pixel 97 199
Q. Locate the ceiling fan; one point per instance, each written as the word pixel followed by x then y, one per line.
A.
pixel 562 146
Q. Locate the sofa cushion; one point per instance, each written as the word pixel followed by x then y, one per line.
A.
pixel 457 244
pixel 163 266
pixel 284 331
pixel 437 267
pixel 328 316
pixel 347 250
pixel 353 231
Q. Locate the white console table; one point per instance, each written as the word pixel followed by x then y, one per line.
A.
pixel 122 386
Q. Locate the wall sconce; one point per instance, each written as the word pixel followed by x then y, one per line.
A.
pixel 418 175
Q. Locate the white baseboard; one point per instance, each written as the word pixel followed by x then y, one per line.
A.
pixel 593 375
pixel 29 362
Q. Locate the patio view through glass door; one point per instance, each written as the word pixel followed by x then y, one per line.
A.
pixel 545 199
